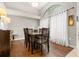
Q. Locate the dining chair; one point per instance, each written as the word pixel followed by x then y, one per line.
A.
pixel 30 31
pixel 43 39
pixel 32 39
pixel 26 36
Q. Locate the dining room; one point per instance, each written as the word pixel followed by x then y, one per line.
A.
pixel 37 29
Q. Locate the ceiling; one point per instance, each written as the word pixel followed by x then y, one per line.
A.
pixel 24 6
pixel 40 4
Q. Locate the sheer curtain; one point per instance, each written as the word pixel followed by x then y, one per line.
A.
pixel 58 29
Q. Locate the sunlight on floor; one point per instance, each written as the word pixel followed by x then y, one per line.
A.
pixel 74 53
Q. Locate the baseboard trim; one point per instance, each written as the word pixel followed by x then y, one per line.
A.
pixel 19 39
pixel 72 46
pixel 68 45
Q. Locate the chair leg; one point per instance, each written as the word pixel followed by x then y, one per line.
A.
pixel 48 46
pixel 41 49
pixel 26 44
pixel 32 48
pixel 29 46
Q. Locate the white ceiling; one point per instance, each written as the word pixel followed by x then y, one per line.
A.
pixel 24 6
pixel 40 4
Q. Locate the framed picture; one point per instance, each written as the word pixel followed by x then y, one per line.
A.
pixel 71 20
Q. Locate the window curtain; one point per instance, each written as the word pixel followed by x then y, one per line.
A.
pixel 58 29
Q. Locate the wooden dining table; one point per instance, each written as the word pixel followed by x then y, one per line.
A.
pixel 32 37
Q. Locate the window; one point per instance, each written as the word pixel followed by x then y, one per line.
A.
pixel 58 29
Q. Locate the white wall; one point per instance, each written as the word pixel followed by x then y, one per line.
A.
pixel 72 29
pixel 18 23
pixel 44 22
pixel 2 5
pixel 78 25
pixel 21 17
pixel 21 13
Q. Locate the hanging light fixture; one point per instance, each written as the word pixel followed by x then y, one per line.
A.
pixel 34 4
pixel 3 15
pixel 3 12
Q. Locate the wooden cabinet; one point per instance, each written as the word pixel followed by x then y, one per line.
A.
pixel 4 42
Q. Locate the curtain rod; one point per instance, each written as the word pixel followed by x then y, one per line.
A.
pixel 61 12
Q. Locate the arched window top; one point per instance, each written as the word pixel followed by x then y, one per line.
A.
pixel 53 9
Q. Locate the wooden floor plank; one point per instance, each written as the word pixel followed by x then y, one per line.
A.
pixel 18 49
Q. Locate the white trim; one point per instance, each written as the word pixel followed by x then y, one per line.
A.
pixel 72 46
pixel 68 45
pixel 77 40
pixel 18 39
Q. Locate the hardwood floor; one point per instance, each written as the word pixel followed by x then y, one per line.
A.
pixel 18 49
